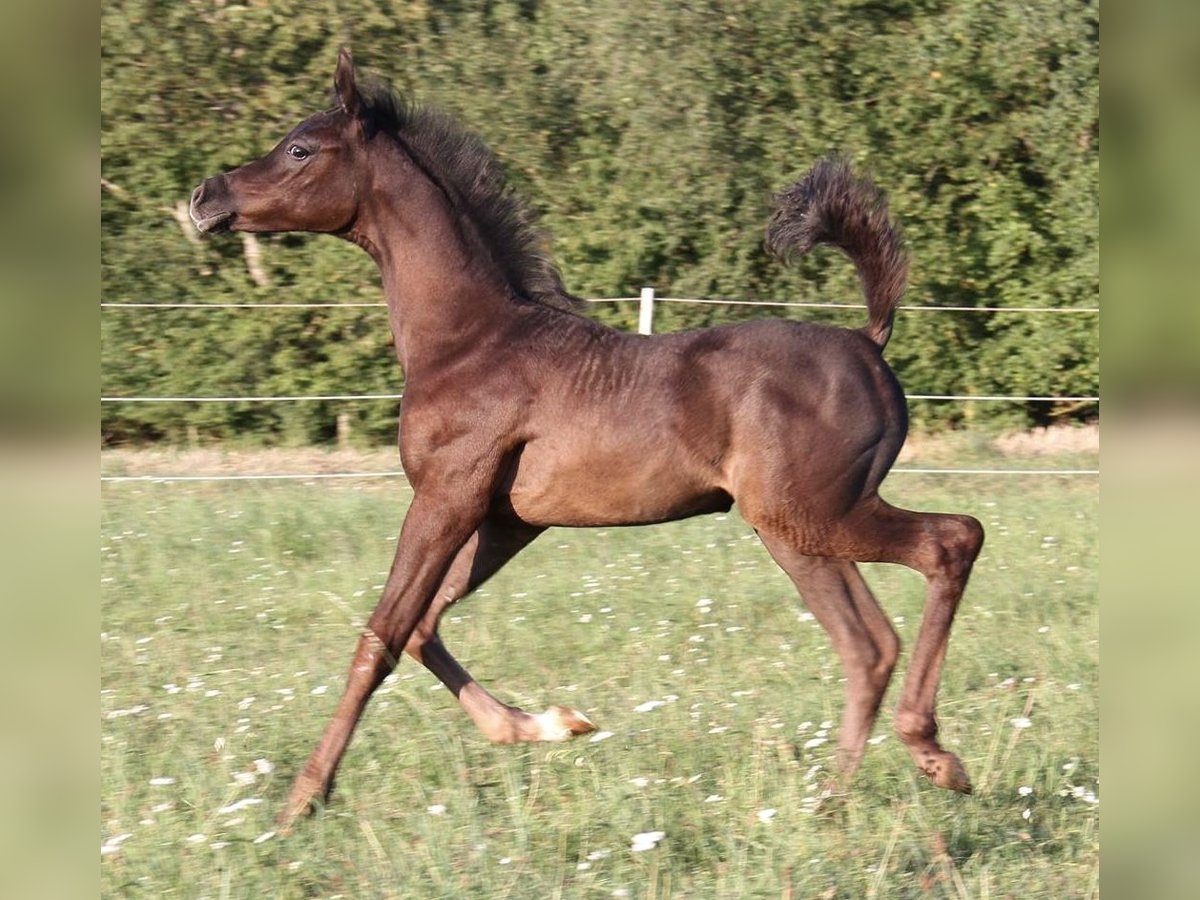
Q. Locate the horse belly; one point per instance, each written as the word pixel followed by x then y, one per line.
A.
pixel 608 488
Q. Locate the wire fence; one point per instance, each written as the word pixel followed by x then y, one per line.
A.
pixel 321 476
pixel 1012 398
pixel 647 301
pixel 796 304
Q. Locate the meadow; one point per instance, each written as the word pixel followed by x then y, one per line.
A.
pixel 230 611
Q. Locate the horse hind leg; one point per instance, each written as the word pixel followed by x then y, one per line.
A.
pixel 489 549
pixel 836 594
pixel 941 547
pixel 499 722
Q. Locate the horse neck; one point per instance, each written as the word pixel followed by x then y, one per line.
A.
pixel 439 299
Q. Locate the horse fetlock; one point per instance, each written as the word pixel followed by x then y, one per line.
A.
pixel 848 760
pixel 916 729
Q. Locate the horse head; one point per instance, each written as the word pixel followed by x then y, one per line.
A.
pixel 307 182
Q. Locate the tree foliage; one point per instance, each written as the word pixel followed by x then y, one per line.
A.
pixel 650 138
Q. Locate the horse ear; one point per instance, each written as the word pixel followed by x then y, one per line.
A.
pixel 344 84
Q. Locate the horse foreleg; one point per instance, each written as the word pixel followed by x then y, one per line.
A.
pixel 372 663
pixel 429 541
pixel 490 548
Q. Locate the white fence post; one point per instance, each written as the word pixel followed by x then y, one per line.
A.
pixel 646 311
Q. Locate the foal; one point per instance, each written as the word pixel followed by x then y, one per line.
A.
pixel 519 413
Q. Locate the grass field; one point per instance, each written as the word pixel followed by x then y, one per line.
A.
pixel 230 610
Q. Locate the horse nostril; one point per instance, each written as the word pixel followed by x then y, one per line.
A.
pixel 198 195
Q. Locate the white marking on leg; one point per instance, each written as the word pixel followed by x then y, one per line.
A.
pixel 561 724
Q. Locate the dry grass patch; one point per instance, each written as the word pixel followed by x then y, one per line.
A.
pixel 1051 441
pixel 262 461
pixel 940 449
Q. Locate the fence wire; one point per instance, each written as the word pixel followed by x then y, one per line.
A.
pixel 1030 310
pixel 796 304
pixel 320 476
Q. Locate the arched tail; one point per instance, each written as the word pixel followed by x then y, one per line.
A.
pixel 830 205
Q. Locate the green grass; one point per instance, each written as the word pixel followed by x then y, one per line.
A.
pixel 230 612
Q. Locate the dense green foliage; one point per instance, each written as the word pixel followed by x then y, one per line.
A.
pixel 650 138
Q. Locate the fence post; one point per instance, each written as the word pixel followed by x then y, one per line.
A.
pixel 646 311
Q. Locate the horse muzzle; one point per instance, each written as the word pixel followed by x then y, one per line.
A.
pixel 210 209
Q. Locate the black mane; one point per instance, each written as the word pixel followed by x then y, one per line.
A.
pixel 475 183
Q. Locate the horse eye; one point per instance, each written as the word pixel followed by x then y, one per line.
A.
pixel 295 151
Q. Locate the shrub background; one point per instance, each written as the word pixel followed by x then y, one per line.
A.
pixel 650 140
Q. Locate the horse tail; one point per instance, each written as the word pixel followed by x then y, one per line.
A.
pixel 830 205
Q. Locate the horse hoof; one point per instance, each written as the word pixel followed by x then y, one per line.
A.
pixel 560 723
pixel 947 772
pixel 303 799
pixel 831 801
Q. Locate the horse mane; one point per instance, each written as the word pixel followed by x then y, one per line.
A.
pixel 474 181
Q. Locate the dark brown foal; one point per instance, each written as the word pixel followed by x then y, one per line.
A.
pixel 519 413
